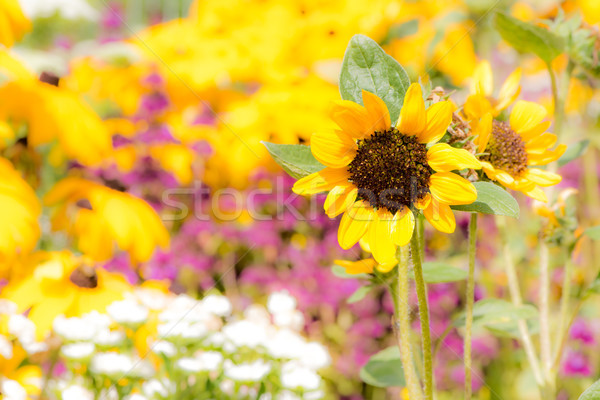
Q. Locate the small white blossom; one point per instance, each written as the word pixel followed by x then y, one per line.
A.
pixel 84 328
pixel 78 351
pixel 34 347
pixel 286 344
pixel 127 312
pixel 281 302
pixel 12 390
pixel 107 338
pixel 22 328
pixel 189 364
pixel 164 347
pixel 6 348
pixel 315 356
pixel 217 305
pixel 257 314
pixel 246 333
pixel 155 388
pixel 68 9
pixel 247 372
pixel 151 298
pixel 289 319
pixel 294 375
pixel 211 360
pixel 76 392
pixel 7 307
pixel 111 364
pixel 135 396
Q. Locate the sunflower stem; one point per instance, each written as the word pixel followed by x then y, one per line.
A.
pixel 564 308
pixel 470 300
pixel 399 291
pixel 544 299
pixel 423 316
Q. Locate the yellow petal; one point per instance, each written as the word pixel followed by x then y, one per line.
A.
pixel 339 199
pixel 357 267
pixel 503 177
pixel 546 157
pixel 354 224
pixel 439 117
pixel 334 149
pixel 380 237
pixel 450 188
pixel 423 202
pixel 543 178
pixel 541 143
pixel 321 181
pixel 483 132
pixel 483 80
pixel 440 216
pixel 413 118
pixel 477 106
pixel 536 131
pixel 443 157
pixel 510 90
pixel 379 117
pixel 537 194
pixel 404 224
pixel 525 115
pixel 352 118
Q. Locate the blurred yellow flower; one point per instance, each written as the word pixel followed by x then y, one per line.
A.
pixel 13 23
pixel 64 284
pixel 99 217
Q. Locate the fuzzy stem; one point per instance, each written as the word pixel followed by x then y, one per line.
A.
pixel 564 306
pixel 469 305
pixel 544 299
pixel 399 291
pixel 424 317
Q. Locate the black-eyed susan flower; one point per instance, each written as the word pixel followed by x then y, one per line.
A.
pixel 378 174
pixel 510 148
pixel 482 100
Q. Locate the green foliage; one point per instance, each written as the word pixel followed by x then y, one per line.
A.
pixel 529 38
pixel 439 272
pixel 593 232
pixel 340 272
pixel 591 393
pixel 360 294
pixel 367 67
pixel 491 199
pixel 295 159
pixel 384 369
pixel 573 152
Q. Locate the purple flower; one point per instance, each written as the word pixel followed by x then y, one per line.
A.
pixel 580 330
pixel 576 364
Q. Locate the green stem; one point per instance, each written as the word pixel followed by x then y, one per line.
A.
pixel 564 306
pixel 544 299
pixel 424 317
pixel 469 304
pixel 399 292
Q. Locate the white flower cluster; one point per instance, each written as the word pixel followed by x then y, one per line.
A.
pixel 153 345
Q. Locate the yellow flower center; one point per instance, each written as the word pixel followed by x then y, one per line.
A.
pixel 85 276
pixel 390 170
pixel 506 150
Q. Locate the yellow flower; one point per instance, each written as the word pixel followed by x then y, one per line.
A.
pixel 13 23
pixel 19 212
pixel 64 284
pixel 481 100
pixel 377 174
pixel 511 148
pixel 102 216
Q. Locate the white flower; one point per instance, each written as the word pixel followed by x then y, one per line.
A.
pixel 7 307
pixel 247 372
pixel 246 333
pixel 257 314
pixel 189 364
pixel 127 312
pixel 107 338
pixel 84 328
pixel 6 348
pixel 78 351
pixel 113 364
pixel 294 375
pixel 163 347
pixel 289 319
pixel 22 328
pixel 216 339
pixel 68 9
pixel 135 396
pixel 151 298
pixel 315 356
pixel 76 392
pixel 211 360
pixel 174 330
pixel 281 302
pixel 217 305
pixel 286 344
pixel 12 390
pixel 154 388
pixel 34 347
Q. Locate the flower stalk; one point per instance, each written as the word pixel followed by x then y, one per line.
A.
pixel 470 300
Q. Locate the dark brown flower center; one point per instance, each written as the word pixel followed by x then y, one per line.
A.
pixel 85 276
pixel 390 170
pixel 506 150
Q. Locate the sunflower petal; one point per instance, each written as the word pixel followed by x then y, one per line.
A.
pixel 547 157
pixel 450 188
pixel 536 131
pixel 543 178
pixel 404 224
pixel 541 143
pixel 477 106
pixel 380 238
pixel 357 267
pixel 440 216
pixel 537 194
pixel 335 149
pixel 379 117
pixel 443 158
pixel 525 115
pixel 413 118
pixel 510 90
pixel 321 181
pixel 439 117
pixel 339 200
pixel 483 132
pixel 483 80
pixel 354 224
pixel 352 118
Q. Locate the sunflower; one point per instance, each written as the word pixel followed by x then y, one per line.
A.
pixel 64 284
pixel 377 174
pixel 509 149
pixel 481 100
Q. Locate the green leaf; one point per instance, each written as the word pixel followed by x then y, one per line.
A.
pixel 573 152
pixel 490 312
pixel 367 67
pixel 491 199
pixel 398 31
pixel 360 294
pixel 529 38
pixel 593 232
pixel 340 272
pixel 591 393
pixel 295 159
pixel 384 369
pixel 438 272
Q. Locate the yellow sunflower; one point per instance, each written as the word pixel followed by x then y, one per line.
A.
pixel 378 174
pixel 481 100
pixel 509 149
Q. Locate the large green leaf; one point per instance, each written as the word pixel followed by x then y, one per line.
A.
pixel 573 152
pixel 384 369
pixel 491 312
pixel 367 67
pixel 491 199
pixel 591 393
pixel 359 294
pixel 295 159
pixel 529 38
pixel 438 272
pixel 593 232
